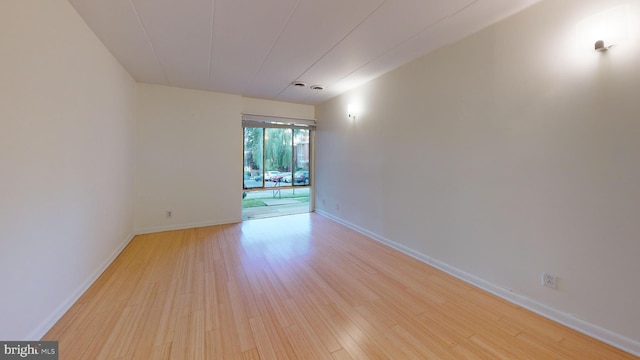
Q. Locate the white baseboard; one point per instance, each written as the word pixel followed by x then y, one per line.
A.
pixel 52 319
pixel 621 342
pixel 172 227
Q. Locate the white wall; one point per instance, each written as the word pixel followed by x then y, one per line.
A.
pixel 190 155
pixel 189 158
pixel 510 153
pixel 66 162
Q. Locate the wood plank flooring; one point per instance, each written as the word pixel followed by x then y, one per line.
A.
pixel 300 287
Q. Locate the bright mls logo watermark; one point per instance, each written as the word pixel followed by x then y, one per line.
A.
pixel 10 350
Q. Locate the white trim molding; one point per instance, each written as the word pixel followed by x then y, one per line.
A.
pixel 173 227
pixel 52 319
pixel 616 340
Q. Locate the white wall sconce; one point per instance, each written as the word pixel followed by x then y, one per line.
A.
pixel 607 28
pixel 601 47
pixel 353 111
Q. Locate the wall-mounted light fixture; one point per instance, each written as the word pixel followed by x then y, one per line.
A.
pixel 353 111
pixel 601 47
pixel 607 28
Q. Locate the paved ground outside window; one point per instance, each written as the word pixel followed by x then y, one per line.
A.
pixel 275 202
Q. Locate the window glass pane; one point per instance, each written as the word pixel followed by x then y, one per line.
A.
pixel 278 155
pixel 253 176
pixel 301 158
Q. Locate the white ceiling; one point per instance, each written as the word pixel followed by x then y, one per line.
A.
pixel 256 48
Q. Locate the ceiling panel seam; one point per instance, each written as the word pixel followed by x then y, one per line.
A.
pixel 386 52
pixel 462 9
pixel 285 40
pixel 435 23
pixel 146 36
pixel 264 59
pixel 334 46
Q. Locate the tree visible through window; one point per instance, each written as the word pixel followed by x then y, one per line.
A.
pixel 253 157
pixel 278 150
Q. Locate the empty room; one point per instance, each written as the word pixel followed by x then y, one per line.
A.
pixel 320 179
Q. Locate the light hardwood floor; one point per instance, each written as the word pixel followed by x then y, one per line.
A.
pixel 300 287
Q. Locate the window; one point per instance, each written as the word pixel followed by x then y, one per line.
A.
pixel 253 158
pixel 277 167
pixel 276 153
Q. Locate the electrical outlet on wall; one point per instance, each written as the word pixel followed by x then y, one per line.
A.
pixel 169 214
pixel 550 280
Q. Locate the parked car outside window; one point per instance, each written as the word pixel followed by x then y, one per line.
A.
pixel 301 176
pixel 269 175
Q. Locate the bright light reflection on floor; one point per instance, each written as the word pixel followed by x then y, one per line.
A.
pixel 277 238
